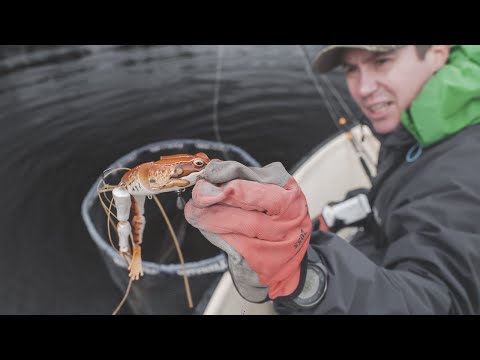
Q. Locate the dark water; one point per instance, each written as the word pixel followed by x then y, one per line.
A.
pixel 67 112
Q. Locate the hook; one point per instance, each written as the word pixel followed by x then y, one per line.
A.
pixel 180 200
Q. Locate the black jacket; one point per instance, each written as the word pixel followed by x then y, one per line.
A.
pixel 424 255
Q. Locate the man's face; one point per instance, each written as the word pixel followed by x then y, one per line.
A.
pixel 385 84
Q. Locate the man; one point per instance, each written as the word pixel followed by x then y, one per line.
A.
pixel 419 253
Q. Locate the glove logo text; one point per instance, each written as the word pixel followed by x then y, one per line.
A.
pixel 297 244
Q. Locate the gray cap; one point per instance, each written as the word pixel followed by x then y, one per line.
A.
pixel 331 56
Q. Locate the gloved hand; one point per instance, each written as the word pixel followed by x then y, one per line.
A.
pixel 259 217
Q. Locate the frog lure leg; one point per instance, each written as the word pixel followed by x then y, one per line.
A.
pixel 123 202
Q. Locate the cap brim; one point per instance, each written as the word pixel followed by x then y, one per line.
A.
pixel 329 59
pixel 331 56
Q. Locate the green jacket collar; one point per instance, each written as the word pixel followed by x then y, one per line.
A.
pixel 449 101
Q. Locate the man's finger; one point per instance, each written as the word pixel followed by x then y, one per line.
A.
pixel 219 172
pixel 248 195
pixel 220 219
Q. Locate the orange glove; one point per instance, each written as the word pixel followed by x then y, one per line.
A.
pixel 259 217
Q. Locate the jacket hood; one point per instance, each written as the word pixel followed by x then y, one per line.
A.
pixel 449 101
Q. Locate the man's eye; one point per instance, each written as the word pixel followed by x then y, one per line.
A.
pixel 381 61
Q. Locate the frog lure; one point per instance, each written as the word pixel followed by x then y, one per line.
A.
pixel 170 173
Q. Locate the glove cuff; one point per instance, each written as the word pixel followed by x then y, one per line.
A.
pixel 301 282
pixel 311 289
pixel 258 293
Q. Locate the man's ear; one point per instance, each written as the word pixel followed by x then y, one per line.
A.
pixel 438 56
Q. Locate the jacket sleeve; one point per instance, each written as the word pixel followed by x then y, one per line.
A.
pixel 430 267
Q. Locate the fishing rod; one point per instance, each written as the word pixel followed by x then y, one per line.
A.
pixel 341 124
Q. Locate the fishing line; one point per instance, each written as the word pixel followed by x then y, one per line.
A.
pixel 216 98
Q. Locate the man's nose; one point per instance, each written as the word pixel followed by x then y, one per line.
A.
pixel 368 84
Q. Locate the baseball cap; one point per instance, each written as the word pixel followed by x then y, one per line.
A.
pixel 330 56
